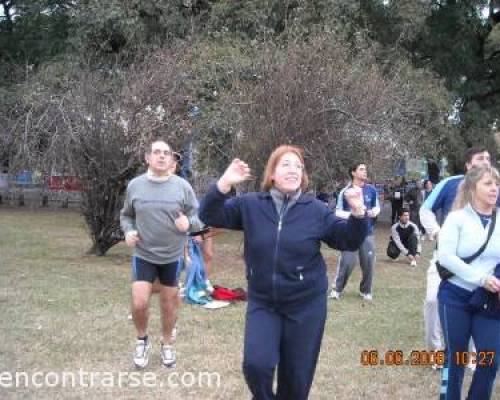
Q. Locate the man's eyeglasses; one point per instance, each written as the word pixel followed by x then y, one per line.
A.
pixel 168 153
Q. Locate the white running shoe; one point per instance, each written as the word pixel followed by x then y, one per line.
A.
pixel 167 355
pixel 335 295
pixel 413 263
pixel 141 353
pixel 366 296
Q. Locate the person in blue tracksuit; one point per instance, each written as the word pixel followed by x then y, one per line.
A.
pixel 463 233
pixel 286 273
pixel 369 196
pixel 433 213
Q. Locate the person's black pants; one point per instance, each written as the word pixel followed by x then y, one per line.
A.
pixel 396 206
pixel 415 218
pixel 411 244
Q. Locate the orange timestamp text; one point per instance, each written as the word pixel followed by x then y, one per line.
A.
pixel 400 358
pixel 481 358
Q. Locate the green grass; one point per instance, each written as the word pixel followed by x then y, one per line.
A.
pixel 64 311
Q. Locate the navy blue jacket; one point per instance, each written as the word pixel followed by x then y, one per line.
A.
pixel 282 255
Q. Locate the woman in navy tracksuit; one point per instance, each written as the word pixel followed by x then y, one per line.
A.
pixel 286 273
pixel 462 235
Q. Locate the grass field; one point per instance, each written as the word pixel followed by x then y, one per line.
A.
pixel 65 312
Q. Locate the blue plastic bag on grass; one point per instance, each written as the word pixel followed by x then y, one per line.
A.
pixel 196 288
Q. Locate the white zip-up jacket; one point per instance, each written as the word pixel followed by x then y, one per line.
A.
pixel 461 235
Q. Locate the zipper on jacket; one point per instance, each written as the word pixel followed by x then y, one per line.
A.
pixel 299 269
pixel 276 249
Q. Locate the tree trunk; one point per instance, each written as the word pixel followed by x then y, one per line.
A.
pixel 101 247
pixel 101 209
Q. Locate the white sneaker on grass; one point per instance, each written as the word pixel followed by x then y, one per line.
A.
pixel 366 296
pixel 335 295
pixel 167 353
pixel 141 353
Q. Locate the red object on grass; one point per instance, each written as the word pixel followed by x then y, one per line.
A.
pixel 222 293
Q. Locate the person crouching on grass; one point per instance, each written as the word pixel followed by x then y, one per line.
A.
pixel 286 273
pixel 405 239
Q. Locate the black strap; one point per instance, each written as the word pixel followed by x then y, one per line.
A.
pixel 471 258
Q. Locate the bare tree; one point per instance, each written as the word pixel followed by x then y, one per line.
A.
pixel 339 105
pixel 97 129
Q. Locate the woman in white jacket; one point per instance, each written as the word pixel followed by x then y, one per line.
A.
pixel 463 233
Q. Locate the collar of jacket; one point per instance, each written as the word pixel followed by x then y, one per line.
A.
pixel 471 210
pixel 279 198
pixel 270 208
pixel 350 184
pixel 302 197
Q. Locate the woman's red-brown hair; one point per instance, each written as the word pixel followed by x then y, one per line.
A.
pixel 272 162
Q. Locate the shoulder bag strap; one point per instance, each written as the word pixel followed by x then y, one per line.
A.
pixel 471 258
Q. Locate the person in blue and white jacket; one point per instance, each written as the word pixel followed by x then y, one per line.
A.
pixel 286 273
pixel 463 233
pixel 433 213
pixel 368 194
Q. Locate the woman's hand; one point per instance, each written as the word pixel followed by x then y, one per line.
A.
pixel 492 284
pixel 354 197
pixel 371 213
pixel 237 172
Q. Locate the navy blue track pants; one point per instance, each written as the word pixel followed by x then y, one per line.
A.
pixel 459 324
pixel 286 338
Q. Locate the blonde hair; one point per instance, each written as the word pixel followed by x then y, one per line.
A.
pixel 467 188
pixel 272 162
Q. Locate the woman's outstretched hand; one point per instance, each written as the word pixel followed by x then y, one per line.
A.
pixel 237 172
pixel 354 197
